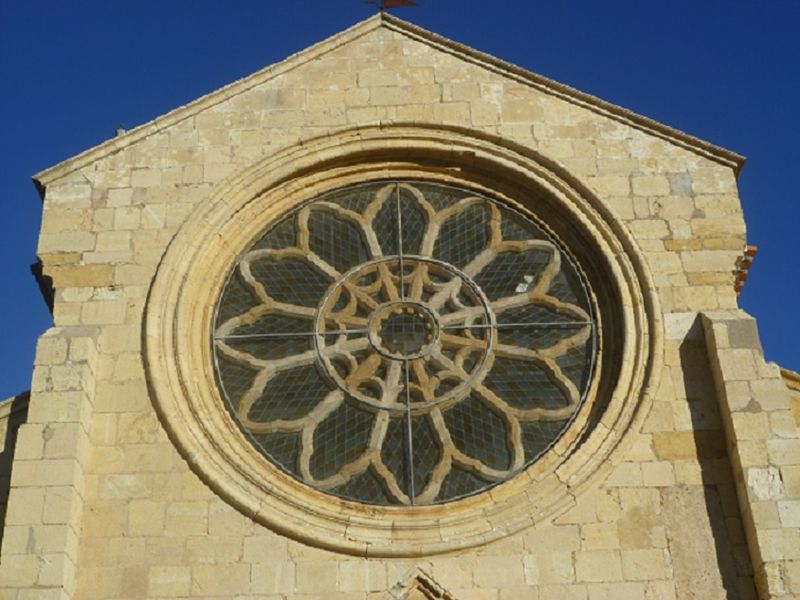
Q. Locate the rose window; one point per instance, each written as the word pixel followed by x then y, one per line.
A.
pixel 401 343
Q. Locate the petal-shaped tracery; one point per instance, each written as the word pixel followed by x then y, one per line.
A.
pixel 410 336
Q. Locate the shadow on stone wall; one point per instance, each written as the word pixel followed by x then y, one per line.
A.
pixel 734 572
pixel 14 413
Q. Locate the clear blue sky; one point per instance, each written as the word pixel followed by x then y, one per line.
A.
pixel 727 71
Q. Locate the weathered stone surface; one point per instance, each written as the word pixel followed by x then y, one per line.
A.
pixel 101 498
pixel 702 569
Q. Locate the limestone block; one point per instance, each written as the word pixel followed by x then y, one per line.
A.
pixel 565 592
pixel 451 112
pixel 779 544
pixel 665 262
pixel 751 426
pixel 645 229
pixel 168 581
pixel 514 593
pixel 119 339
pixel 113 241
pixel 709 260
pixel 164 550
pixel 650 185
pixel 720 227
pixel 66 241
pixel 681 445
pixel 30 443
pixel 627 474
pixel 484 113
pixel 660 418
pixel 641 525
pixel 55 220
pixel 559 538
pixel 42 594
pixel 316 576
pixel 622 206
pixel 549 569
pixel 148 458
pixel 362 576
pixel 126 397
pixel 213 549
pixel 498 572
pixel 103 313
pixel 713 181
pixel 274 578
pixel 658 474
pixel 616 591
pixel 792 571
pixel 598 566
pixel 103 220
pixel 378 77
pixel 770 394
pixel 145 177
pixel 643 564
pixel 25 505
pixel 514 110
pixel 123 485
pixel 220 580
pixel 56 569
pixel 187 518
pixel 765 514
pixel 146 517
pixel 264 548
pixel 73 194
pixel 70 377
pixel 65 440
pixel 33 473
pixel 790 476
pixel 224 520
pixel 19 571
pixel 39 539
pixel 784 452
pixel 789 511
pixel 138 428
pixel 119 197
pixel 737 364
pixel 425 94
pixel 600 536
pixel 51 350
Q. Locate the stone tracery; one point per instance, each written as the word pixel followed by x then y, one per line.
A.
pixel 413 308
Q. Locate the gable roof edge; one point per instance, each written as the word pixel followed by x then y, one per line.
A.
pixel 230 90
pixel 715 153
pixel 680 138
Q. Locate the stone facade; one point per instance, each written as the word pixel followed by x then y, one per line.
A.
pixel 699 492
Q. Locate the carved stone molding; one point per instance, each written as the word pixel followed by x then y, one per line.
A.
pixel 180 313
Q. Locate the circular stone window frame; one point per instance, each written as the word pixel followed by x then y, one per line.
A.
pixel 179 362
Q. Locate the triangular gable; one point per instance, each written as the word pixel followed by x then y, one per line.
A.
pixel 440 43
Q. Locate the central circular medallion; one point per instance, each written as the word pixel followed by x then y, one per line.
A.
pixel 405 314
pixel 403 330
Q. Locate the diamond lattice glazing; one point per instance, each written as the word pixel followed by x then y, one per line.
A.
pixel 404 343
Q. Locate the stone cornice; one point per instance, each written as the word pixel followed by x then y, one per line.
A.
pixel 486 61
pixel 791 379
